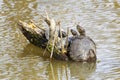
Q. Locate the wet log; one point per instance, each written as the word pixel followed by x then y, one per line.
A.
pixel 36 35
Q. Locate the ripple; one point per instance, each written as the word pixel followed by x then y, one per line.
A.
pixel 21 60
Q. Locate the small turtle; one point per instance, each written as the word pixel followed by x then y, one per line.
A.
pixel 74 33
pixel 82 47
pixel 64 34
pixel 70 39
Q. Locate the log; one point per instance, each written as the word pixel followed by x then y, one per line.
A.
pixel 36 36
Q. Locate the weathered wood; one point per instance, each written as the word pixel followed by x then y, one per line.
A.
pixel 54 40
pixel 36 36
pixel 33 33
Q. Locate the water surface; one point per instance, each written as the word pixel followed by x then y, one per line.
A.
pixel 20 60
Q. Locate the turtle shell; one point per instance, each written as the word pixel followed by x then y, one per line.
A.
pixel 82 48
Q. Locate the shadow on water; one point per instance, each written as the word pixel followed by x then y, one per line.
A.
pixel 31 50
pixel 59 70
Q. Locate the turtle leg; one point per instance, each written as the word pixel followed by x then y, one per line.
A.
pixel 91 56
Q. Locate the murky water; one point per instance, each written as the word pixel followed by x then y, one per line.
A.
pixel 20 60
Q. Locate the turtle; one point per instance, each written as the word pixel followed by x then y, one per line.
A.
pixel 82 48
pixel 74 33
pixel 70 39
pixel 63 33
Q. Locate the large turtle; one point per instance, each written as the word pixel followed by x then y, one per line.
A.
pixel 82 47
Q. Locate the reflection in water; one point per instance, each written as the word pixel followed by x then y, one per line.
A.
pixel 70 70
pixel 23 61
pixel 58 70
pixel 31 50
pixel 82 70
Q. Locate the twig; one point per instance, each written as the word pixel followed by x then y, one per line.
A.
pixel 62 46
pixel 52 70
pixel 67 38
pixel 53 45
pixel 47 15
pixel 46 47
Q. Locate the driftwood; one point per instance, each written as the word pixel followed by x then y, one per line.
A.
pixel 36 35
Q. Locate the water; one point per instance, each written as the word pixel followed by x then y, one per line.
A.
pixel 20 60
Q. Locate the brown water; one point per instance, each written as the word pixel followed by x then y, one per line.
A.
pixel 20 60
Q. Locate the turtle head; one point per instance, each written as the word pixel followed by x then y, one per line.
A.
pixel 74 33
pixel 81 30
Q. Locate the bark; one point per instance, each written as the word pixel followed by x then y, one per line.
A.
pixel 36 36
